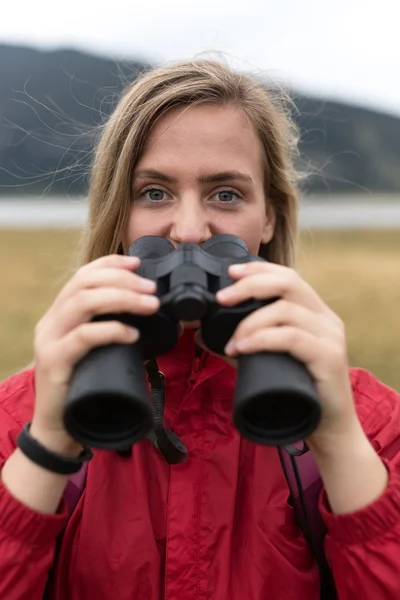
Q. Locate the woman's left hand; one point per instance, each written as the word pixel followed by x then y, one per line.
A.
pixel 301 324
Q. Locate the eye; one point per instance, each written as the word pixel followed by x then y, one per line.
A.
pixel 153 194
pixel 227 197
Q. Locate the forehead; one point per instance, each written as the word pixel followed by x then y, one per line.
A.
pixel 218 136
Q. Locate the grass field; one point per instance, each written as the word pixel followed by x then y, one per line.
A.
pixel 357 274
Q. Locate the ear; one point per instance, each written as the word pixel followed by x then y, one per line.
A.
pixel 269 224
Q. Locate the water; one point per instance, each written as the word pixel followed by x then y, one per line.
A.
pixel 315 213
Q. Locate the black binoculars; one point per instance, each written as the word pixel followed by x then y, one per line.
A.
pixel 108 406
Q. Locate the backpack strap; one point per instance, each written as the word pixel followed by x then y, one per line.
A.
pixel 74 488
pixel 305 485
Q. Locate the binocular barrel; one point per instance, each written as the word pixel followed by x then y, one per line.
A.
pixel 275 401
pixel 107 405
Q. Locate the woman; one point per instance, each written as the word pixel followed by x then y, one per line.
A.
pixel 191 151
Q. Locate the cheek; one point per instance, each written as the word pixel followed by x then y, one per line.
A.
pixel 141 223
pixel 250 228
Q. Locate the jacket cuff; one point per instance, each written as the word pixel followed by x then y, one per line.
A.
pixel 24 524
pixel 369 522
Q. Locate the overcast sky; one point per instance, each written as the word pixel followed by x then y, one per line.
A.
pixel 347 49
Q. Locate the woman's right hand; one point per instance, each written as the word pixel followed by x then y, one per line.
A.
pixel 66 333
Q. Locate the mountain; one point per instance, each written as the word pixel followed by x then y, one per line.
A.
pixel 53 103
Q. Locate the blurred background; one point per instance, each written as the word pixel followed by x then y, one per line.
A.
pixel 62 69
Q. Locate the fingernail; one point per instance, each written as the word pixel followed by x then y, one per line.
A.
pixel 150 301
pixel 133 334
pixel 240 268
pixel 224 293
pixel 241 344
pixel 147 285
pixel 230 347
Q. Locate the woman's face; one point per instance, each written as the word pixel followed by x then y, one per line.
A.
pixel 201 174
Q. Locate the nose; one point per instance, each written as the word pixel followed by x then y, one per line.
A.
pixel 190 223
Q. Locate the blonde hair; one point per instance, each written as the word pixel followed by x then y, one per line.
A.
pixel 147 100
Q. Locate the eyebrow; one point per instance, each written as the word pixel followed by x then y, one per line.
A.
pixel 212 178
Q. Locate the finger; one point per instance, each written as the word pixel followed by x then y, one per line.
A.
pixel 263 286
pixel 84 338
pixel 112 277
pixel 117 261
pixel 321 356
pixel 86 304
pixel 300 344
pixel 93 270
pixel 255 267
pixel 285 313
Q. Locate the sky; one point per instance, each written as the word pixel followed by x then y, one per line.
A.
pixel 341 49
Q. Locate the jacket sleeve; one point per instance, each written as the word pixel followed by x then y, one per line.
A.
pixel 363 548
pixel 27 538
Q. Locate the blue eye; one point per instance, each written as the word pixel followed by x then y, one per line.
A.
pixel 227 196
pixel 153 194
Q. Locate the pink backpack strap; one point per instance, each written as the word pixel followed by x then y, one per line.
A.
pixel 305 485
pixel 74 489
pixel 72 493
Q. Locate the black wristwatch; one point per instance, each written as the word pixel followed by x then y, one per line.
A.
pixel 56 463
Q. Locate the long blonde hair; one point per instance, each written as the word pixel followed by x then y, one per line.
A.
pixel 144 102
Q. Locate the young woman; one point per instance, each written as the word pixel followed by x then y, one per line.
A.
pixel 194 150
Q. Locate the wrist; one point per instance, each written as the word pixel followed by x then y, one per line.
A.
pixel 353 474
pixel 55 441
pixel 332 443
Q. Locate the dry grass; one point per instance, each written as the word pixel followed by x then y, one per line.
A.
pixel 33 266
pixel 357 274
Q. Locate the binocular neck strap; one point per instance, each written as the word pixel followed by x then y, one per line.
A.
pixel 165 440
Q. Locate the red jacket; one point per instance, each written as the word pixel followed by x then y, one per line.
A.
pixel 215 527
